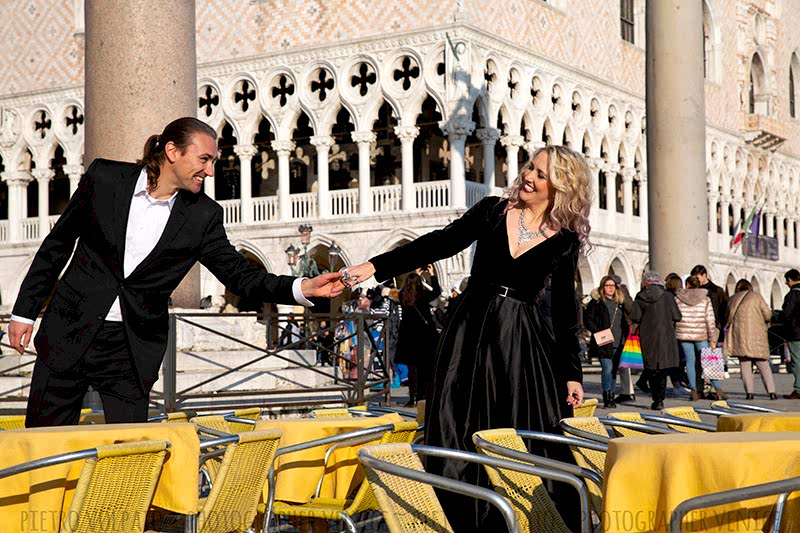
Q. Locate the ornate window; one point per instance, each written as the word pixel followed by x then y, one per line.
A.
pixel 626 18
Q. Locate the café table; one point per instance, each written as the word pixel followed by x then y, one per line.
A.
pixel 760 422
pixel 647 477
pixel 35 501
pixel 298 473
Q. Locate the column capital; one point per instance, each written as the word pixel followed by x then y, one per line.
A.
pixel 322 141
pixel 595 163
pixel 71 170
pixel 282 147
pixel 245 151
pixel 364 137
pixel 43 174
pixel 20 178
pixel 457 128
pixel 515 141
pixel 713 196
pixel 406 133
pixel 611 169
pixel 488 135
pixel 627 174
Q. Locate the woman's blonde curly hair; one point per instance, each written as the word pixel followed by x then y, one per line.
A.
pixel 569 183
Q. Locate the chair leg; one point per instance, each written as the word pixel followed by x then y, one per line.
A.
pixel 348 522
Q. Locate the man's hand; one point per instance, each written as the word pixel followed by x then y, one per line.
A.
pixel 574 394
pixel 359 274
pixel 323 286
pixel 19 335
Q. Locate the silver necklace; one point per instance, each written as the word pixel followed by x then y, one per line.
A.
pixel 525 235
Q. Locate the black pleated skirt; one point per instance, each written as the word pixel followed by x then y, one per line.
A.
pixel 495 368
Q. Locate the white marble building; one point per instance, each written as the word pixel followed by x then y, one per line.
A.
pixel 377 124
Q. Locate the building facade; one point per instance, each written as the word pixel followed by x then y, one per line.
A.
pixel 376 122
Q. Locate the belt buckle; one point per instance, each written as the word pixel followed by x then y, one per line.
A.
pixel 504 294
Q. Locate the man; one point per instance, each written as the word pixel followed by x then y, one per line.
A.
pixel 139 229
pixel 719 299
pixel 790 317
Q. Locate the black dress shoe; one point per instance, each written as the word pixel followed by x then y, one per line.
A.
pixel 773 396
pixel 749 397
pixel 625 398
pixel 657 406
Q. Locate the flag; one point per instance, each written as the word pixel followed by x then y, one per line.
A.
pixel 737 239
pixel 755 226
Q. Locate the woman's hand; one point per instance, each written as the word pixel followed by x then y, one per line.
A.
pixel 357 274
pixel 574 393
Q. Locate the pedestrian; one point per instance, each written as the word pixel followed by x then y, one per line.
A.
pixel 790 317
pixel 680 380
pixel 718 296
pixel 326 340
pixel 605 314
pixel 139 227
pixel 696 331
pixel 499 363
pixel 747 336
pixel 291 331
pixel 656 312
pixel 417 339
pixel 627 393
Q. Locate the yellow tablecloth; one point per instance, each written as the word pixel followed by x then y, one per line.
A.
pixel 647 477
pixel 297 474
pixel 759 422
pixel 34 501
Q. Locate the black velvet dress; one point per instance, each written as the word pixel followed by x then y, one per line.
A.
pixel 499 361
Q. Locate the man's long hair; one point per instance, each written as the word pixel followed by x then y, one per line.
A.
pixel 180 132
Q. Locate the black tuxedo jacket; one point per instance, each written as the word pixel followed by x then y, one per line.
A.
pixel 97 217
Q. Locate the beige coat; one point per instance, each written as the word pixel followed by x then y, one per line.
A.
pixel 698 323
pixel 748 320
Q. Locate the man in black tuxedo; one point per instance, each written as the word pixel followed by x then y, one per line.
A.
pixel 140 228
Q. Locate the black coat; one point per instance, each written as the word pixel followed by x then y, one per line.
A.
pixel 790 314
pixel 417 338
pixel 97 217
pixel 719 302
pixel 656 312
pixel 596 318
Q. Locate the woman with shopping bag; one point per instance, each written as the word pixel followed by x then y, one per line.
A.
pixel 746 336
pixel 605 320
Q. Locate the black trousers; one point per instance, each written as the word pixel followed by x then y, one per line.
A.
pixel 55 398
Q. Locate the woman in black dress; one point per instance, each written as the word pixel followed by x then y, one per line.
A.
pixel 499 362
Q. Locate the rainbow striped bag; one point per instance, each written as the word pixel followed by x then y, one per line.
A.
pixel 632 353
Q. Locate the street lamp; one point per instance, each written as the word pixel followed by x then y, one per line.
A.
pixel 303 264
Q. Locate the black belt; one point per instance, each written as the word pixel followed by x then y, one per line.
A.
pixel 508 292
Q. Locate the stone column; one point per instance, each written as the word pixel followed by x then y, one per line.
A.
pixel 726 217
pixel 780 235
pixel 323 145
pixel 488 138
pixel 737 208
pixel 210 187
pixel 74 173
pixel 457 129
pixel 512 144
pixel 610 172
pixel 43 177
pixel 283 149
pixel 17 183
pixel 365 140
pixel 595 164
pixel 790 232
pixel 140 72
pixel 676 135
pixel 713 198
pixel 770 220
pixel 246 152
pixel 643 203
pixel 627 191
pixel 408 195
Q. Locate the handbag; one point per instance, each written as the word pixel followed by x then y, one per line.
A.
pixel 632 353
pixel 605 336
pixel 713 363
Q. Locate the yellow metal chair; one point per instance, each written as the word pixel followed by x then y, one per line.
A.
pixel 345 508
pixel 527 493
pixel 252 413
pixel 9 422
pixel 721 403
pixel 624 425
pixel 117 480
pixel 331 413
pixel 687 413
pixel 587 409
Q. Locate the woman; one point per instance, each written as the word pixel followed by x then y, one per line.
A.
pixel 696 330
pixel 499 364
pixel 416 342
pixel 746 337
pixel 656 312
pixel 606 313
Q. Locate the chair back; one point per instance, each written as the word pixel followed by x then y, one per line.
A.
pixel 232 503
pixel 628 416
pixel 525 492
pixel 685 412
pixel 592 459
pixel 331 413
pixel 406 505
pixel 720 403
pixel 253 413
pixel 10 422
pixel 587 409
pixel 119 483
pixel 179 417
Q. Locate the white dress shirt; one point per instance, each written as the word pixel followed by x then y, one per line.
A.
pixel 146 222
